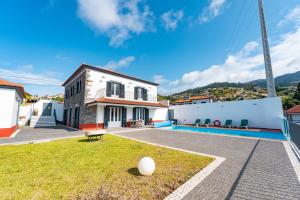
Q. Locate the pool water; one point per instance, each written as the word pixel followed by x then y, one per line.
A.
pixel 220 131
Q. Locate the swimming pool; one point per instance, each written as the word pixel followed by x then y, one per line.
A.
pixel 237 132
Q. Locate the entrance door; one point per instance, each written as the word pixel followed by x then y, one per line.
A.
pixel 115 117
pixel 65 116
pixel 47 109
pixel 76 120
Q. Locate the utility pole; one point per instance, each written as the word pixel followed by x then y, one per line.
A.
pixel 268 65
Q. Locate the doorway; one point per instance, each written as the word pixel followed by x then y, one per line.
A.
pixel 115 117
pixel 47 109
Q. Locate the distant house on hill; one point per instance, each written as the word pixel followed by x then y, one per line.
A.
pixel 193 100
pixel 293 114
pixel 12 95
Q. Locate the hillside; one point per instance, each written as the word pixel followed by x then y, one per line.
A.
pixel 281 81
pixel 286 88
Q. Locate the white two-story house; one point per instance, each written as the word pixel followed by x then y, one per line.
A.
pixel 100 98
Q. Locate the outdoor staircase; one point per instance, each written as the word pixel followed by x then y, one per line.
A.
pixel 40 121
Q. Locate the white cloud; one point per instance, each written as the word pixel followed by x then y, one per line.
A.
pixel 159 79
pixel 213 10
pixel 292 16
pixel 124 62
pixel 171 19
pixel 25 77
pixel 62 57
pixel 119 20
pixel 244 66
pixel 26 67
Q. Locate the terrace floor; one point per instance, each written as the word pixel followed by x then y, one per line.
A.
pixel 253 169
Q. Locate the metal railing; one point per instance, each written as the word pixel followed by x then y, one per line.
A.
pixel 128 96
pixel 294 130
pixel 291 130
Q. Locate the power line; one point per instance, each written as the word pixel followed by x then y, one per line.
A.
pixel 243 14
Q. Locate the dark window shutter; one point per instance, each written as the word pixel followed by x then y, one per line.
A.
pixel 106 116
pixel 108 89
pixel 145 95
pixel 135 93
pixel 124 117
pixel 122 91
pixel 134 114
pixel 142 113
pixel 146 115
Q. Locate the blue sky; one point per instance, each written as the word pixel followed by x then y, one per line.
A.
pixel 179 44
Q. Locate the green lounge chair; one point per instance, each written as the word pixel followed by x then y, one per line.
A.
pixel 207 122
pixel 228 123
pixel 244 123
pixel 197 122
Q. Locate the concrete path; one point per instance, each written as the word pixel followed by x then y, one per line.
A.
pixel 28 134
pixel 253 169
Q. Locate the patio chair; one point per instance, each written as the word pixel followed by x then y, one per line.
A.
pixel 197 122
pixel 244 123
pixel 228 123
pixel 206 123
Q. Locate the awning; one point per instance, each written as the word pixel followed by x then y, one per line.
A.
pixel 127 102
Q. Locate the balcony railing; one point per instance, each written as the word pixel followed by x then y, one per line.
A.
pixel 128 96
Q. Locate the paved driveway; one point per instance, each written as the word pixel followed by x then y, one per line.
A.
pixel 28 134
pixel 253 169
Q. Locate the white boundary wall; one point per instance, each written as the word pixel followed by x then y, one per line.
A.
pixel 261 113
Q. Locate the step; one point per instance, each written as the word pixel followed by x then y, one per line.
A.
pixel 39 121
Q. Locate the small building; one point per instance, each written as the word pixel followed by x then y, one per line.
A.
pixel 193 100
pixel 293 114
pixel 200 99
pixel 47 107
pixel 12 95
pixel 100 98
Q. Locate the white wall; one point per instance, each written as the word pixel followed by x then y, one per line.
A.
pixel 159 114
pixel 295 117
pixel 59 108
pixel 261 113
pixel 97 80
pixel 25 113
pixel 202 101
pixel 100 114
pixel 8 107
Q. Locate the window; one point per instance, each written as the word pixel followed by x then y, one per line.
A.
pixel 67 93
pixel 140 113
pixel 140 93
pixel 72 91
pixel 78 87
pixel 115 89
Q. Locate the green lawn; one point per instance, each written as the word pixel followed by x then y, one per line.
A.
pixel 75 168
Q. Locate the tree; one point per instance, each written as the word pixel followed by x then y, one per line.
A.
pixel 288 102
pixel 297 93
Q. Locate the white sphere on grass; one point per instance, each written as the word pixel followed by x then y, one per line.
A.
pixel 146 166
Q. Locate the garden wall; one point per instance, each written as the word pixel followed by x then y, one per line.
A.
pixel 261 113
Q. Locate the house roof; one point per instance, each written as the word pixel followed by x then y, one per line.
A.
pixel 198 97
pixel 295 109
pixel 86 66
pixel 182 101
pixel 127 102
pixel 17 86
